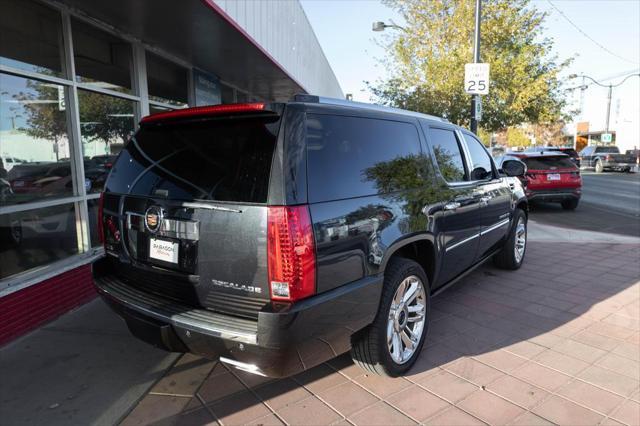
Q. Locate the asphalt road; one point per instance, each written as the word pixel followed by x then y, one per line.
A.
pixel 610 203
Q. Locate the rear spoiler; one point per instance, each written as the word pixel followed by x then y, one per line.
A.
pixel 204 111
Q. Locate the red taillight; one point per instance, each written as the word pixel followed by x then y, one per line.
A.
pixel 101 218
pixel 291 253
pixel 204 110
pixel 607 158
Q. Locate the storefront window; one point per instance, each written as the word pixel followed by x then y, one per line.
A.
pixel 106 123
pixel 168 82
pixel 227 94
pixel 36 237
pixel 102 60
pixel 154 109
pixel 241 97
pixel 31 37
pixel 34 148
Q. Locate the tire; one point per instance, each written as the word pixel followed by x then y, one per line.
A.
pixel 570 204
pixel 599 167
pixel 508 257
pixel 370 347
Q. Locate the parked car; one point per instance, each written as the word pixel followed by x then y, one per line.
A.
pixel 42 179
pixel 551 177
pixel 572 153
pixel 603 158
pixel 274 237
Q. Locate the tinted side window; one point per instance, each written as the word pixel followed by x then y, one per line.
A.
pixel 448 154
pixel 480 160
pixel 347 155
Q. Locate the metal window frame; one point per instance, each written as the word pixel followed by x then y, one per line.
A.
pixel 139 95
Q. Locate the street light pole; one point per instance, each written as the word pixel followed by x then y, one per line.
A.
pixel 476 59
pixel 606 127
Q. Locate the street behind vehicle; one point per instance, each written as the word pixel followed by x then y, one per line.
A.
pixel 274 237
pixel 551 177
pixel 604 158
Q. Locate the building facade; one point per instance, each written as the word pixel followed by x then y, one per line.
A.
pixel 75 79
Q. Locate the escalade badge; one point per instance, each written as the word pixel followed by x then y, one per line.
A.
pixel 153 219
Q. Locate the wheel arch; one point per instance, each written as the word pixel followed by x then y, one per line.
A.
pixel 523 205
pixel 420 249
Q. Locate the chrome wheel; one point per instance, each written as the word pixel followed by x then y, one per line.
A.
pixel 406 319
pixel 521 240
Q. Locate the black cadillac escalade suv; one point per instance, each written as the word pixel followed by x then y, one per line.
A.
pixel 276 236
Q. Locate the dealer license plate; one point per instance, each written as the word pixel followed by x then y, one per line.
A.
pixel 166 251
pixel 553 176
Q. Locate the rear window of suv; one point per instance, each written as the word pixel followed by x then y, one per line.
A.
pixel 347 155
pixel 217 159
pixel 549 163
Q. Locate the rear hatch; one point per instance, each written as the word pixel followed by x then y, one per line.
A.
pixel 551 172
pixel 185 213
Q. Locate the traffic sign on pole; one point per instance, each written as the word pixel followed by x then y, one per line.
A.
pixel 478 108
pixel 476 79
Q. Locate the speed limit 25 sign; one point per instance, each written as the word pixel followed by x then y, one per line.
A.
pixel 476 79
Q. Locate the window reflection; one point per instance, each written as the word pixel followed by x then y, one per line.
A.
pixel 31 37
pixel 101 59
pixel 448 154
pixel 106 123
pixel 351 146
pixel 34 147
pixel 36 237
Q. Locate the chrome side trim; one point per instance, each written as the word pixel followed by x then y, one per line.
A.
pixel 495 226
pixel 459 243
pixel 210 207
pixel 198 320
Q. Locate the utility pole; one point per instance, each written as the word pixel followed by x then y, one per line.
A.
pixel 606 127
pixel 476 59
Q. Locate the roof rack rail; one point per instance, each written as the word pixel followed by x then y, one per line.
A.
pixel 362 105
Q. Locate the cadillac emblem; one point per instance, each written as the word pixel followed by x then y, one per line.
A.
pixel 153 219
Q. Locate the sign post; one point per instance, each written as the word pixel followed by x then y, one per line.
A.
pixel 476 60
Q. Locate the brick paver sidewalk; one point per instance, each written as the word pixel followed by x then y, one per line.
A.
pixel 556 342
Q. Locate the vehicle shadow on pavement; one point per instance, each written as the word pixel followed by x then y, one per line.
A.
pixel 556 341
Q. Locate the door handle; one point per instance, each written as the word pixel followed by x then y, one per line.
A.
pixel 451 206
pixel 485 200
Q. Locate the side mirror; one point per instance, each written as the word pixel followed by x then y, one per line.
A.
pixel 514 168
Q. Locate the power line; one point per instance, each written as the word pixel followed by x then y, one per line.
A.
pixel 588 36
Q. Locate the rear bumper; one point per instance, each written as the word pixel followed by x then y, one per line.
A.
pixel 554 196
pixel 281 343
pixel 617 166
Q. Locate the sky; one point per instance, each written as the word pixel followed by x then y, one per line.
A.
pixel 343 28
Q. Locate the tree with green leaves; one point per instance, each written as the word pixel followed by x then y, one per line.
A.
pixel 516 137
pixel 103 118
pixel 426 61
